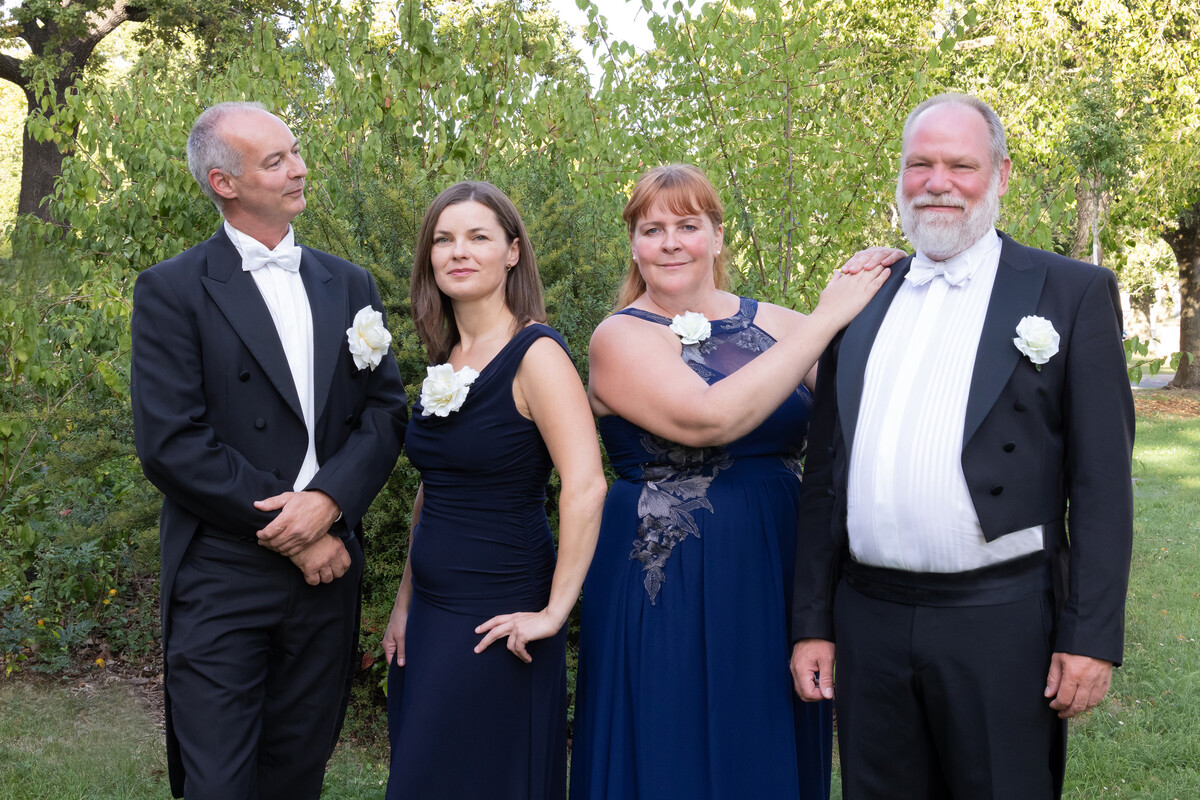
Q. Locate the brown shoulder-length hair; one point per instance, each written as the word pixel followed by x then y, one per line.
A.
pixel 432 310
pixel 684 189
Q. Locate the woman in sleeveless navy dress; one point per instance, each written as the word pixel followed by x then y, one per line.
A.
pixel 477 695
pixel 684 688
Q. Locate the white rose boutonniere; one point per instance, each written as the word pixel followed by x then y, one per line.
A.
pixel 444 390
pixel 369 338
pixel 1037 339
pixel 691 327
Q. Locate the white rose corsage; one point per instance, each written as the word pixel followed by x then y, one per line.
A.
pixel 1037 339
pixel 369 338
pixel 691 327
pixel 445 390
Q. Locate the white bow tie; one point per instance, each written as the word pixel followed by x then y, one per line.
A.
pixel 255 254
pixel 956 270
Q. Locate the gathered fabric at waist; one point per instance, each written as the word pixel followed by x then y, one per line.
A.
pixel 523 597
pixel 483 564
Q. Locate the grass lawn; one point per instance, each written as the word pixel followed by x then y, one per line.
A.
pixel 83 740
pixel 89 739
pixel 70 742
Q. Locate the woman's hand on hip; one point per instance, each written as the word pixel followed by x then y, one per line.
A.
pixel 520 628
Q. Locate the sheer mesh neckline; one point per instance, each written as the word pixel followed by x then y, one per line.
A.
pixel 747 309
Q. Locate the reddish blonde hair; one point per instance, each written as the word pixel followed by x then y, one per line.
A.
pixel 683 189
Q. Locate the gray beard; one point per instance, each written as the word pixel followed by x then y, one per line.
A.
pixel 942 240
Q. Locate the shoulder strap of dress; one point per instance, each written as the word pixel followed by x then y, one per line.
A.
pixel 748 307
pixel 525 338
pixel 646 315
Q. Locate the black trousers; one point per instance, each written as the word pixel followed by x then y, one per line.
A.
pixel 258 669
pixel 940 683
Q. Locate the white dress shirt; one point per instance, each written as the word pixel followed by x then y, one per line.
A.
pixel 283 291
pixel 908 503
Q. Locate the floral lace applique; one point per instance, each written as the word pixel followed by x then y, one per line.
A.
pixel 794 461
pixel 695 353
pixel 753 339
pixel 670 493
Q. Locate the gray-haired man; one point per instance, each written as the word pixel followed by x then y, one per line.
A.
pixel 981 393
pixel 268 440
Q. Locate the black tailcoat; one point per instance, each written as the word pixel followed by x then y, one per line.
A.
pixel 1048 447
pixel 217 416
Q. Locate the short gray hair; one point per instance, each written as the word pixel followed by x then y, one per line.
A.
pixel 997 144
pixel 207 149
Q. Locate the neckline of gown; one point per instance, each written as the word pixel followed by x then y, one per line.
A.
pixel 747 310
pixel 487 371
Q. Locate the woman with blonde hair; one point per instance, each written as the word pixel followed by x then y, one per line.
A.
pixel 703 403
pixel 501 404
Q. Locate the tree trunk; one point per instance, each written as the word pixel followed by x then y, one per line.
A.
pixel 41 164
pixel 1185 242
pixel 1085 204
pixel 1089 219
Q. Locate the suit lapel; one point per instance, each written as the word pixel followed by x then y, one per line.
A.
pixel 1015 294
pixel 327 298
pixel 855 349
pixel 236 295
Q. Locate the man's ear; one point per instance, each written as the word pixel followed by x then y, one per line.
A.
pixel 1005 169
pixel 220 183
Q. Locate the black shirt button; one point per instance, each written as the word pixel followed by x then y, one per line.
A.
pixel 260 423
pixel 997 489
pixel 349 419
pixel 1018 406
pixel 1010 446
pixel 244 376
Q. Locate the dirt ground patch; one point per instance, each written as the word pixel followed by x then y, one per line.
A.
pixel 85 677
pixel 1167 402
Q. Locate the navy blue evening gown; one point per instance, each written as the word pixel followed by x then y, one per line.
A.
pixel 465 725
pixel 684 688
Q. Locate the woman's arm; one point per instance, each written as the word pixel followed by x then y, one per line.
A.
pixel 548 388
pixel 393 637
pixel 636 371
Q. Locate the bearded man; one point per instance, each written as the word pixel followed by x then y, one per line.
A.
pixel 979 396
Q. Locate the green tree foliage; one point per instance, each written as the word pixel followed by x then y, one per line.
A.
pixel 68 479
pixel 1102 146
pixel 12 115
pixel 1090 91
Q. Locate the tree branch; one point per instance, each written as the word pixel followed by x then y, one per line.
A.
pixel 101 25
pixel 10 70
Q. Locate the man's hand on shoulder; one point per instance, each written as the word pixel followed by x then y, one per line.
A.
pixel 323 561
pixel 1076 683
pixel 304 517
pixel 812 669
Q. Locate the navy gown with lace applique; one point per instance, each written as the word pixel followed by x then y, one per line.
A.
pixel 466 725
pixel 683 685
